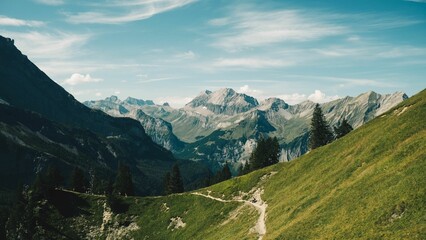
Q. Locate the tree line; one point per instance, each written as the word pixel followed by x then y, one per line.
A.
pixel 28 218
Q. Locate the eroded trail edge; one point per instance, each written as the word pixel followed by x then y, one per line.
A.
pixel 255 200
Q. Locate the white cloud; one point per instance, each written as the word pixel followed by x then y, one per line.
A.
pixel 188 55
pixel 51 2
pixel 219 21
pixel 176 102
pixel 98 94
pixel 130 11
pixel 317 97
pixel 293 98
pixel 117 93
pixel 251 92
pixel 258 28
pixel 250 63
pixel 320 97
pixel 77 78
pixel 7 21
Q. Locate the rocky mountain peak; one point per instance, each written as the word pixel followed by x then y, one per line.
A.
pixel 138 102
pixel 113 99
pixel 274 104
pixel 223 101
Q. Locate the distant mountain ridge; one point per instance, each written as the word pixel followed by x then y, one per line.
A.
pixel 224 125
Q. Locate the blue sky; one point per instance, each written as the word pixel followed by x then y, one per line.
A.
pixel 170 50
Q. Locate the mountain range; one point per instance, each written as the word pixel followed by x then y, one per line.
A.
pixel 223 126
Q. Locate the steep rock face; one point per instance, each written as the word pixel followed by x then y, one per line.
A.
pixel 159 130
pixel 224 101
pixel 361 109
pixel 24 86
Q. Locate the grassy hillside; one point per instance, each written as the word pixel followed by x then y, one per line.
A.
pixel 368 185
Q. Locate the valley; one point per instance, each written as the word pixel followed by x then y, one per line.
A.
pixel 368 184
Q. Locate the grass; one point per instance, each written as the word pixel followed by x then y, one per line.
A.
pixel 368 185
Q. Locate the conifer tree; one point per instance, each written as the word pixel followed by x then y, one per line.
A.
pixel 167 184
pixel 78 182
pixel 258 155
pixel 53 178
pixel 176 183
pixel 265 154
pixel 272 151
pixel 343 129
pixel 320 133
pixel 226 173
pixel 123 182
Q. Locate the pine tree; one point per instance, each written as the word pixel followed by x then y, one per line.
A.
pixel 39 188
pixel 78 182
pixel 226 173
pixel 123 182
pixel 167 184
pixel 272 151
pixel 222 175
pixel 176 183
pixel 53 179
pixel 258 155
pixel 320 133
pixel 265 154
pixel 343 129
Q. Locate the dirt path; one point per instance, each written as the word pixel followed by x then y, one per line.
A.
pixel 255 201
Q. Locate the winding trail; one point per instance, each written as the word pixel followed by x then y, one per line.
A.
pixel 256 202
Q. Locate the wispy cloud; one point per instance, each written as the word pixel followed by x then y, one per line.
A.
pixel 43 45
pixel 346 81
pixel 251 92
pixel 259 28
pixel 78 78
pixel 188 55
pixel 371 51
pixel 417 1
pixel 8 21
pixel 157 79
pixel 130 11
pixel 51 2
pixel 250 63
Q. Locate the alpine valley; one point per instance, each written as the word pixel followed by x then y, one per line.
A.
pixel 224 126
pixel 212 120
pixel 42 124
